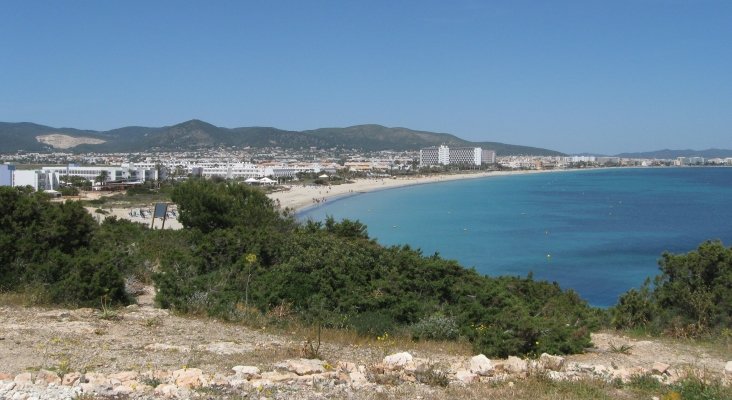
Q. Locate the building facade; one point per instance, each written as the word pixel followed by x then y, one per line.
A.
pixel 444 155
pixel 436 155
pixel 488 156
pixel 7 175
pixel 465 155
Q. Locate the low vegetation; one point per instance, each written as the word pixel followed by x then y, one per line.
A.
pixel 240 258
pixel 691 298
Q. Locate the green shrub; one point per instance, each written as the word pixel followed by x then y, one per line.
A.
pixel 691 297
pixel 372 323
pixel 696 388
pixel 69 191
pixel 436 327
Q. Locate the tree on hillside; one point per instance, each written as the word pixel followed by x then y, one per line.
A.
pixel 47 247
pixel 102 177
pixel 691 296
pixel 207 206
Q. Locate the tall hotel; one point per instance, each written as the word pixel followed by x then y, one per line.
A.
pixel 443 155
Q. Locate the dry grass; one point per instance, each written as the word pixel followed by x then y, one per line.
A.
pixel 350 338
pixel 22 298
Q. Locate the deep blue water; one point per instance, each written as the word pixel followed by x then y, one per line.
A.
pixel 599 232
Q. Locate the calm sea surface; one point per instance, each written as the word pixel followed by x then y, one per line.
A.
pixel 599 232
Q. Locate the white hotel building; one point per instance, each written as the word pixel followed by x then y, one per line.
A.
pixel 49 178
pixel 444 155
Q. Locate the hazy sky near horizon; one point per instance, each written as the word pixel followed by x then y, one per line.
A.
pixel 574 76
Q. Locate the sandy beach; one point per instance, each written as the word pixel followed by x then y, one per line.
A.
pixel 133 214
pixel 297 197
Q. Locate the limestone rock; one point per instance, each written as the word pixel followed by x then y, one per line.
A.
pixel 162 375
pixel 46 377
pixel 246 372
pixel 303 366
pixel 25 377
pixel 189 378
pixel 218 380
pixel 550 362
pixel 558 376
pixel 122 390
pixel 5 377
pixel 602 370
pixel 96 379
pixel 125 376
pixel 466 376
pixel 660 368
pixel 357 378
pixel 481 365
pixel 397 360
pixel 274 376
pixel 167 391
pixel 71 379
pixel 728 369
pixel 515 365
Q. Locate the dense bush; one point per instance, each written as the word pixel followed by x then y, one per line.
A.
pixel 207 206
pixel 692 295
pixel 48 248
pixel 436 327
pixel 69 191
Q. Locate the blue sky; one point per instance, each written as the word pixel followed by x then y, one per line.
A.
pixel 575 76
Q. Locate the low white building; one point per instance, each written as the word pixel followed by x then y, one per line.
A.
pixel 37 179
pixel 90 173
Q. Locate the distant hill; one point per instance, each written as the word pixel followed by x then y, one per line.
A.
pixel 196 134
pixel 671 154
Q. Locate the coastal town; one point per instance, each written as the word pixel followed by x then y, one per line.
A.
pixel 268 166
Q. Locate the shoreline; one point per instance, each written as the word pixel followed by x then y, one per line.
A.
pixel 302 198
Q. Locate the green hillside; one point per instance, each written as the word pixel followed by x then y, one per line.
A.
pixel 196 134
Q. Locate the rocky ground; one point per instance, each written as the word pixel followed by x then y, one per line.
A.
pixel 144 352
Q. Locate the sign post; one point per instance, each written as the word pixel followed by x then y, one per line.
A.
pixel 161 211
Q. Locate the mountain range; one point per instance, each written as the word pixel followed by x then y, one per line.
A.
pixel 196 134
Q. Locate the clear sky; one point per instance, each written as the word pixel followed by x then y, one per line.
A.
pixel 574 76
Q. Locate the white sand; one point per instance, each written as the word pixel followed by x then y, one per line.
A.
pixel 298 197
pixel 124 213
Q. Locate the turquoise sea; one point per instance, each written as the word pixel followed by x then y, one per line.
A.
pixel 599 232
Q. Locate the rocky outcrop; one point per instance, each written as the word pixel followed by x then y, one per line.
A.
pixel 481 365
pixel 397 360
pixel 550 362
pixel 303 366
pixel 301 375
